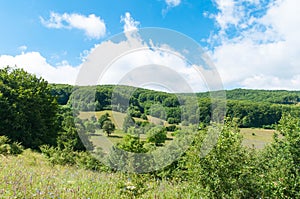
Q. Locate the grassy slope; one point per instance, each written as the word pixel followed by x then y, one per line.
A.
pixel 31 176
pixel 99 139
pixel 257 137
pixel 117 117
pixel 252 136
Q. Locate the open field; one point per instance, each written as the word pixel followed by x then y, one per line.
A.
pixel 30 175
pixel 253 137
pixel 100 138
pixel 118 118
pixel 257 138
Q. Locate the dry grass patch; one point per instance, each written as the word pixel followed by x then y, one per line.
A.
pixel 257 138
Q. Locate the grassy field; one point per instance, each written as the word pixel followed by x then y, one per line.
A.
pixel 253 137
pixel 100 139
pixel 118 117
pixel 257 138
pixel 30 175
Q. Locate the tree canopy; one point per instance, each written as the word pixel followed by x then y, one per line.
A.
pixel 28 110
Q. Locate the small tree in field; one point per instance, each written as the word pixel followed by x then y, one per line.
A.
pixel 102 119
pixel 157 135
pixel 108 127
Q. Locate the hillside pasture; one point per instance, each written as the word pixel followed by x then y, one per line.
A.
pixel 256 137
pixel 253 137
pixel 30 175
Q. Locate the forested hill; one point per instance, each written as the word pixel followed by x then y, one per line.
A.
pixel 63 92
pixel 253 108
pixel 271 96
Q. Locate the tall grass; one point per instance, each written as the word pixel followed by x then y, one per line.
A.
pixel 30 175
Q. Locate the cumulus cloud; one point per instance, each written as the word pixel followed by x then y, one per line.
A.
pixel 129 23
pixel 22 48
pixel 172 3
pixel 93 26
pixel 145 62
pixel 257 45
pixel 135 67
pixel 35 63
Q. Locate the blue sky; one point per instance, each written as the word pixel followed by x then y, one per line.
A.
pixel 252 43
pixel 23 26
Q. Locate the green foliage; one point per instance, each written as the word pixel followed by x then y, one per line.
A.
pixel 157 135
pixel 61 92
pixel 280 161
pixel 30 114
pixel 125 155
pixel 157 110
pixel 171 128
pixel 271 96
pixel 73 133
pixel 8 148
pixel 68 156
pixel 128 122
pixel 134 111
pixel 102 119
pixel 252 114
pixel 254 108
pixel 227 170
pixel 108 127
pixel 83 99
pixel 90 126
pixel 28 111
pixel 133 144
pixel 144 117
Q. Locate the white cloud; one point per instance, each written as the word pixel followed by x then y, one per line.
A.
pixel 137 62
pixel 229 14
pixel 145 63
pixel 173 3
pixel 134 65
pixel 22 48
pixel 93 26
pixel 129 23
pixel 258 51
pixel 272 82
pixel 35 63
pixel 170 4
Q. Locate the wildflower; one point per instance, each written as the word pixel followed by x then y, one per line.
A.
pixel 130 187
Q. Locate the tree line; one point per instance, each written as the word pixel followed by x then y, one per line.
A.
pixel 253 108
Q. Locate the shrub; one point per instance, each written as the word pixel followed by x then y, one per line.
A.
pixel 171 128
pixel 67 156
pixel 7 148
pixel 157 135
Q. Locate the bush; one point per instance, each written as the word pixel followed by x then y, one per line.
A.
pixel 144 117
pixel 67 156
pixel 7 148
pixel 171 128
pixel 172 120
pixel 157 135
pixel 227 171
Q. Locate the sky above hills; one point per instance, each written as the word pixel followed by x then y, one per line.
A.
pixel 251 43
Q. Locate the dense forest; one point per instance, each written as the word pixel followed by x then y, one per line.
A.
pixel 42 117
pixel 253 108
